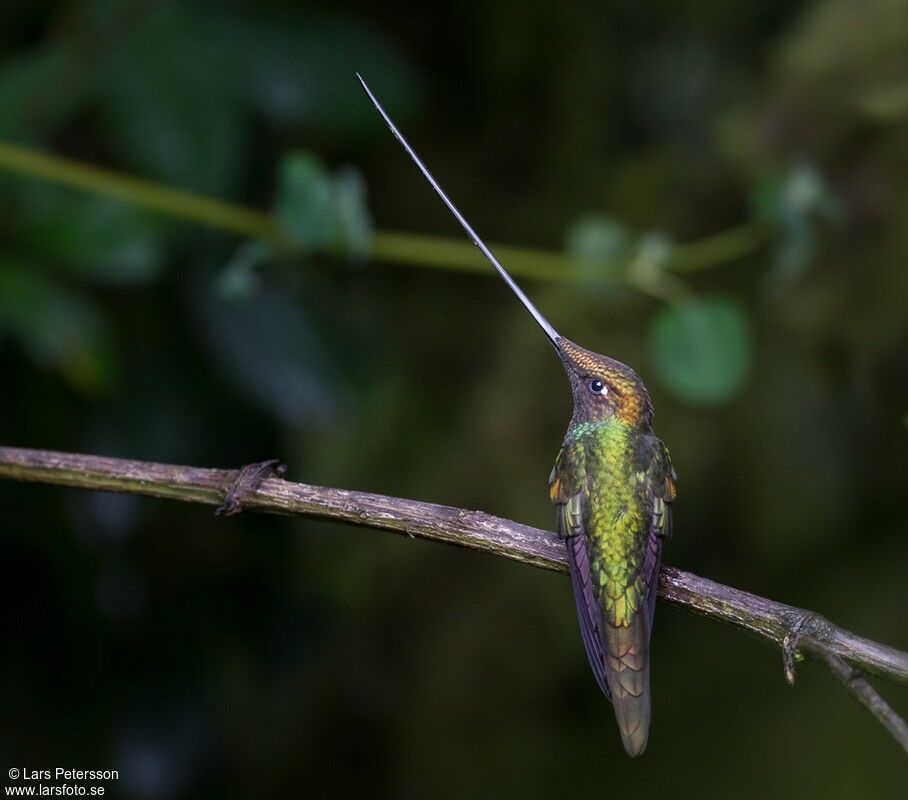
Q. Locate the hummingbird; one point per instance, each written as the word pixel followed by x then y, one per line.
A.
pixel 613 486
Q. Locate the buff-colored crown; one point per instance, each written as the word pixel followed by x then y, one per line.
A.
pixel 628 394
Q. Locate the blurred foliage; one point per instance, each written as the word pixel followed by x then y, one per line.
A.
pixel 90 236
pixel 703 349
pixel 731 180
pixel 168 100
pixel 601 244
pixel 795 205
pixel 318 212
pixel 56 327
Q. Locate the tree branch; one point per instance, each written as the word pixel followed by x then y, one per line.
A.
pixel 797 632
pixel 852 679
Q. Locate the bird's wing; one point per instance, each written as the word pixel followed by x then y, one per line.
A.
pixel 660 487
pixel 570 526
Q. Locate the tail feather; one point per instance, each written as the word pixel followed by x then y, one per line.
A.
pixel 588 611
pixel 627 674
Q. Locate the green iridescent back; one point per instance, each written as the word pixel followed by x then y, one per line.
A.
pixel 605 460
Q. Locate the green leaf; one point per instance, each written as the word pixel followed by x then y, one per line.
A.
pixel 319 212
pixel 601 245
pixel 807 193
pixel 703 349
pixel 58 329
pixel 305 202
pixel 795 204
pixel 170 101
pixel 352 213
pixel 98 237
pixel 652 254
pixel 238 280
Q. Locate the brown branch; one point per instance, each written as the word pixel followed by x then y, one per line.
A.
pixel 853 680
pixel 796 631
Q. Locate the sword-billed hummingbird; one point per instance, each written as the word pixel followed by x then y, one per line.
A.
pixel 612 486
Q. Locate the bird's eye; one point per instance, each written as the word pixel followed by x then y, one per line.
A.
pixel 598 387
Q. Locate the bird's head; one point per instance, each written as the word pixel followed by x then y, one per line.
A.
pixel 603 387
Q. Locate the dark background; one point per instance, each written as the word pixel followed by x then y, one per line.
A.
pixel 264 657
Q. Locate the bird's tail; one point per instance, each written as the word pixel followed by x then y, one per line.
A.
pixel 627 673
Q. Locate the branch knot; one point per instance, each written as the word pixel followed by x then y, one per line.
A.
pixel 245 482
pixel 790 654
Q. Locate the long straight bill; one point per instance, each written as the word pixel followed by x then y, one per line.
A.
pixel 543 322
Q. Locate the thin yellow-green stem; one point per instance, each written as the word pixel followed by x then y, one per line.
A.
pixel 440 252
pixel 720 248
pixel 148 194
pixel 434 252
